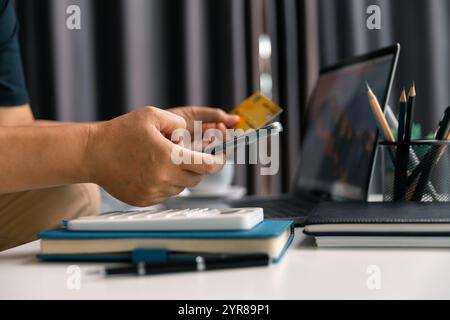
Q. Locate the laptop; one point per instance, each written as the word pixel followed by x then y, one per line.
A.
pixel 339 145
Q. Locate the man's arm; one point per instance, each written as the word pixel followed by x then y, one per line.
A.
pixel 34 157
pixel 128 156
pixel 31 157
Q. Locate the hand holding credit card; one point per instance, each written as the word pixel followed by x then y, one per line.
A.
pixel 255 113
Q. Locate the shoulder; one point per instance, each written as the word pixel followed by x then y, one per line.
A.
pixel 7 21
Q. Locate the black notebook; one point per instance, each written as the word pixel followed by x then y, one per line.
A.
pixel 380 225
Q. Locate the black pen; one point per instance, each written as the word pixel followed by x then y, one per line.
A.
pixel 401 161
pixel 432 156
pixel 200 263
pixel 410 113
pixel 402 117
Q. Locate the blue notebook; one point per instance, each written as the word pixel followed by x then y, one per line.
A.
pixel 270 237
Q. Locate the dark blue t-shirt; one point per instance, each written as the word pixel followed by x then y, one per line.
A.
pixel 13 91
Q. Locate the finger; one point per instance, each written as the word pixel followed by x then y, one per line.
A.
pixel 209 125
pixel 152 200
pixel 193 161
pixel 202 163
pixel 206 144
pixel 172 191
pixel 178 176
pixel 203 169
pixel 186 179
pixel 160 199
pixel 222 127
pixel 215 135
pixel 215 115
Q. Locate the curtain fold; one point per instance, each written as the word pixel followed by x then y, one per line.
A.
pixel 422 29
pixel 293 27
pixel 134 53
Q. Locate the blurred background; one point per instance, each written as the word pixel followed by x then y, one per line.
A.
pixel 133 53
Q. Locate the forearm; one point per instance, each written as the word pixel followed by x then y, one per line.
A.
pixel 52 123
pixel 34 157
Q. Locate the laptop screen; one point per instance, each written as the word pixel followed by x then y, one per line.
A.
pixel 340 141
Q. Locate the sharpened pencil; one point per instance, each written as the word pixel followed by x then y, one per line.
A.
pixel 401 117
pixel 410 113
pixel 402 156
pixel 379 115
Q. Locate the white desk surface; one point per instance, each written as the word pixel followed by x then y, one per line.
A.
pixel 306 272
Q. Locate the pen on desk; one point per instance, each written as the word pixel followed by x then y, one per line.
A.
pixel 432 157
pixel 401 164
pixel 200 263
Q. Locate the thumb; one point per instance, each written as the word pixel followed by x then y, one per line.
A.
pixel 167 122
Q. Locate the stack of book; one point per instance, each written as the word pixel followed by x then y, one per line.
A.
pixel 268 237
pixel 384 224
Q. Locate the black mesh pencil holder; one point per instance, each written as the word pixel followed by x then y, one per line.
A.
pixel 418 171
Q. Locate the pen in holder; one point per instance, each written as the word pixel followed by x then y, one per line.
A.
pixel 416 171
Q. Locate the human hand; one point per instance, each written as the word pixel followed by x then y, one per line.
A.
pixel 211 117
pixel 131 158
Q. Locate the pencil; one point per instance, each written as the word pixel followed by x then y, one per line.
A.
pixel 379 115
pixel 401 117
pixel 401 161
pixel 413 160
pixel 410 113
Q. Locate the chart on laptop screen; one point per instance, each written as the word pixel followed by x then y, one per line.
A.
pixel 342 132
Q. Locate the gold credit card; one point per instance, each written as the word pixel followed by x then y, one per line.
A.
pixel 256 112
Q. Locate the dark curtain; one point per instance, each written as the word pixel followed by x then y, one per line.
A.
pixel 422 29
pixel 293 27
pixel 133 53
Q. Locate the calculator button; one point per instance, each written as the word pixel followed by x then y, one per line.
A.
pixel 141 214
pixel 171 219
pixel 210 212
pixel 177 213
pixel 158 214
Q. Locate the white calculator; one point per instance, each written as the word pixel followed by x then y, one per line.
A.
pixel 170 220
